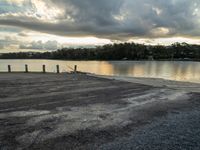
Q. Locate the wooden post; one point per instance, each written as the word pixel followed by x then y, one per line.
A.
pixel 57 68
pixel 9 68
pixel 26 68
pixel 75 68
pixel 43 69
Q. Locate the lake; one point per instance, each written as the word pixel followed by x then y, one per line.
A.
pixel 172 70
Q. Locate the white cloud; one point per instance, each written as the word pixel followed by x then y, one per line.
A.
pixel 49 45
pixel 20 2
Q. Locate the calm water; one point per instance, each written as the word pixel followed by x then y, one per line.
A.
pixel 180 71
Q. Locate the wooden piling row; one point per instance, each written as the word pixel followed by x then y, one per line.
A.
pixel 43 69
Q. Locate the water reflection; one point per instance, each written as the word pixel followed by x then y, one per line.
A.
pixel 181 71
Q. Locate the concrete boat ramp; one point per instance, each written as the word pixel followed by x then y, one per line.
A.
pixel 78 111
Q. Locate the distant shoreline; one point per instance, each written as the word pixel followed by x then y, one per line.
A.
pixel 122 51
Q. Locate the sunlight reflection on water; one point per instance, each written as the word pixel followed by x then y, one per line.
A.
pixel 177 70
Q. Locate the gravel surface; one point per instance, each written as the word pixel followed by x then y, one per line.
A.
pixel 175 132
pixel 77 111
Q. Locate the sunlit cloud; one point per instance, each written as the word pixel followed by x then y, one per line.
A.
pixel 160 32
pixel 45 11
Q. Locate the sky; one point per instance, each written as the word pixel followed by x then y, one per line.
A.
pixel 53 24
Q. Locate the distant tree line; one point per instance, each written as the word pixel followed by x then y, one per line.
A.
pixel 123 51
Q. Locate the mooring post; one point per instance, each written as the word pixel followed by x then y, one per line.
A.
pixel 43 69
pixel 57 68
pixel 75 68
pixel 26 68
pixel 9 68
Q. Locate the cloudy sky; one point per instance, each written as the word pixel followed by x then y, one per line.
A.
pixel 51 24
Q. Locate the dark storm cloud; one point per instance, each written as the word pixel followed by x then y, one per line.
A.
pixel 115 19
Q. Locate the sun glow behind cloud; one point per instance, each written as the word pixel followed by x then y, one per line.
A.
pixel 46 12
